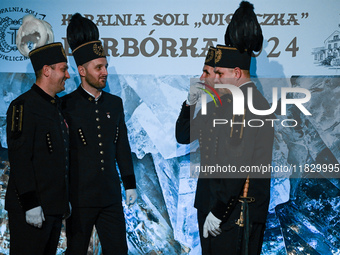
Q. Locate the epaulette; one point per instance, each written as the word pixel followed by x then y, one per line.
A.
pixel 17 119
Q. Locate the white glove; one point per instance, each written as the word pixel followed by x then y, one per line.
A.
pixel 211 225
pixel 35 217
pixel 131 197
pixel 195 92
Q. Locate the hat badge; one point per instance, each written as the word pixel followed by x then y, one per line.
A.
pixel 98 49
pixel 218 55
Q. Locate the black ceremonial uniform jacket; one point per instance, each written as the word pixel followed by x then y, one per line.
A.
pixel 98 140
pixel 222 145
pixel 37 137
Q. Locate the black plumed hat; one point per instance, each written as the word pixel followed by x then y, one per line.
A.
pixel 244 31
pixel 81 30
pixel 83 39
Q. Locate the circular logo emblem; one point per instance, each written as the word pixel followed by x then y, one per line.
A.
pixel 8 29
pixel 210 56
pixel 218 55
pixel 98 49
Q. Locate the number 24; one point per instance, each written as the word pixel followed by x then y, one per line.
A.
pixel 292 46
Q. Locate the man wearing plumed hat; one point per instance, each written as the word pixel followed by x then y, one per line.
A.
pixel 37 137
pixel 232 206
pixel 98 140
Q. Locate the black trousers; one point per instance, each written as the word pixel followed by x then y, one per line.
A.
pixel 110 225
pixel 29 240
pixel 228 241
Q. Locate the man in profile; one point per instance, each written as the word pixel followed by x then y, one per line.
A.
pixel 206 82
pixel 37 137
pixel 232 206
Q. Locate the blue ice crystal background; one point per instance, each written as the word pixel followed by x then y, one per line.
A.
pixel 303 217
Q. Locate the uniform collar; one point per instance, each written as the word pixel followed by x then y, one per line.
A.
pixel 87 95
pixel 43 94
pixel 246 83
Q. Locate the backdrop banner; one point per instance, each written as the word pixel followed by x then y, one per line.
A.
pixel 153 49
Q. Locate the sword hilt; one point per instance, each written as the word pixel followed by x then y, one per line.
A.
pixel 243 199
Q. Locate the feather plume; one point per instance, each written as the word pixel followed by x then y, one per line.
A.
pixel 244 31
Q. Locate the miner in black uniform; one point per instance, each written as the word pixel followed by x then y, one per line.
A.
pixel 98 140
pixel 207 80
pixel 37 137
pixel 232 206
